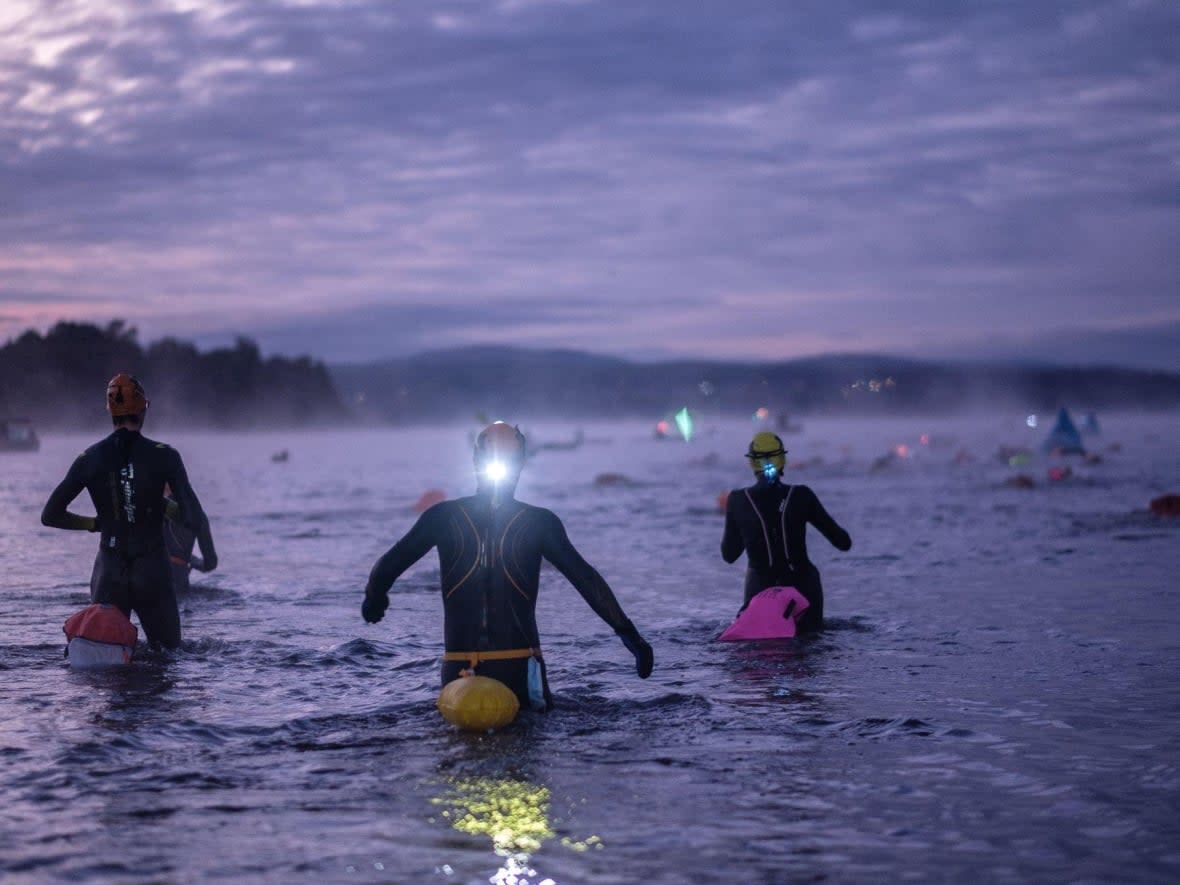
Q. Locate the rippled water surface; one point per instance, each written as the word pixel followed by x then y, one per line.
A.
pixel 995 698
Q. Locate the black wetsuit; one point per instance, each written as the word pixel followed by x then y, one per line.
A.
pixel 178 541
pixel 125 475
pixel 490 563
pixel 768 521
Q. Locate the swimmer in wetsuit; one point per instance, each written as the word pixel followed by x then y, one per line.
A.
pixel 179 540
pixel 125 475
pixel 490 548
pixel 768 521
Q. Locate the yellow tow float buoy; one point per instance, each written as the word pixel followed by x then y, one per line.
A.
pixel 477 703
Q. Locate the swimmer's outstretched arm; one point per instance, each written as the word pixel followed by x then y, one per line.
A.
pixel 732 545
pixel 828 527
pixel 412 546
pixel 559 550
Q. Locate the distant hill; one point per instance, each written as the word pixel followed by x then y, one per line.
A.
pixel 58 381
pixel 532 384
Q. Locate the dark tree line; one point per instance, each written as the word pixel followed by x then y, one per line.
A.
pixel 59 379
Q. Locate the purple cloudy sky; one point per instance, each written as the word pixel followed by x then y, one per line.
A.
pixel 365 178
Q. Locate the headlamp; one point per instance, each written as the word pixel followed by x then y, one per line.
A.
pixel 495 471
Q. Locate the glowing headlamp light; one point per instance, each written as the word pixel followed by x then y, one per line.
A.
pixel 496 471
pixel 769 470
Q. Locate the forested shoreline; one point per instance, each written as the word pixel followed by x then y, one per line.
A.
pixel 58 380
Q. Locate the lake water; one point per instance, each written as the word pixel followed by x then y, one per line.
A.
pixel 995 699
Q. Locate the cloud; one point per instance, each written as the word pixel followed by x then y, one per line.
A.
pixel 923 172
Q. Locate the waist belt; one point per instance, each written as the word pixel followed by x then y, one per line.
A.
pixel 176 560
pixel 475 658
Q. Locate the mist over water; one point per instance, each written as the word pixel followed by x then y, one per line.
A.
pixel 994 699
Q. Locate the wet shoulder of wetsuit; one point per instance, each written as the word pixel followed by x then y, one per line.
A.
pixel 820 518
pixel 559 550
pixel 56 513
pixel 733 544
pixel 411 547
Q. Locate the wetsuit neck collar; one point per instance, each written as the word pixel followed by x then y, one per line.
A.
pixel 496 495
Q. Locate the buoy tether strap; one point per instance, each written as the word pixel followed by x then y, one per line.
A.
pixel 475 658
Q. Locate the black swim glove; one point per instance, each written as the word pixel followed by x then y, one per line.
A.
pixel 644 657
pixel 373 608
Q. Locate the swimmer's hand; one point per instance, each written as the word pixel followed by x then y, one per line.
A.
pixel 373 608
pixel 637 645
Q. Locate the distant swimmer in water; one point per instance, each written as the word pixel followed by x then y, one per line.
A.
pixel 490 548
pixel 768 521
pixel 125 475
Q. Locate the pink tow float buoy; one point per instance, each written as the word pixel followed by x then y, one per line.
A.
pixel 772 614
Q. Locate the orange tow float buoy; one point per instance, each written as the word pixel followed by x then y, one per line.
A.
pixel 100 635
pixel 1166 505
pixel 429 498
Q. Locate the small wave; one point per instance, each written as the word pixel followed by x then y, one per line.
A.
pixel 879 727
pixel 208 592
pixel 852 624
pixel 355 652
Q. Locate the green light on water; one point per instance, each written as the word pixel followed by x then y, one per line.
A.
pixel 684 423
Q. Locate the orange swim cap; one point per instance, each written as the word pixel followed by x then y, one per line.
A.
pixel 125 396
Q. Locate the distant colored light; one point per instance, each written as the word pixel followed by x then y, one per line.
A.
pixel 684 424
pixel 902 450
pixel 662 426
pixel 762 414
pixel 924 439
pixel 1031 420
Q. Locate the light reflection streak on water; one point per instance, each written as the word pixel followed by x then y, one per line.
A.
pixel 514 814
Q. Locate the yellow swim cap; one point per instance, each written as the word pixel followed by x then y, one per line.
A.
pixel 766 448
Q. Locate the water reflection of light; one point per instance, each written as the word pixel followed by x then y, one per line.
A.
pixel 513 813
